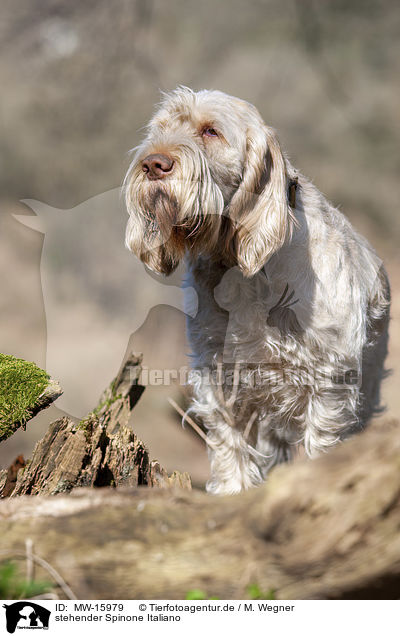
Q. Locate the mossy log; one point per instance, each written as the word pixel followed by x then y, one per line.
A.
pixel 323 529
pixel 101 450
pixel 25 390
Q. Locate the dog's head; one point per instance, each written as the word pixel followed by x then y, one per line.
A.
pixel 209 177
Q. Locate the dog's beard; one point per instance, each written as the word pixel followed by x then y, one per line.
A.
pixel 168 216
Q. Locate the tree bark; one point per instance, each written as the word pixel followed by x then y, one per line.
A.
pixel 101 450
pixel 323 529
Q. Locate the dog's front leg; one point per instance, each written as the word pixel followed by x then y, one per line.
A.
pixel 234 465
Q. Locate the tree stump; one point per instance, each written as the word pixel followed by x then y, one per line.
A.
pixel 101 450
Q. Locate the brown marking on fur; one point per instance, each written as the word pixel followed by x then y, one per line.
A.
pixel 182 114
pixel 260 180
pixel 164 210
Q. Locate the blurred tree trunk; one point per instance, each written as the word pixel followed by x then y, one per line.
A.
pixel 327 528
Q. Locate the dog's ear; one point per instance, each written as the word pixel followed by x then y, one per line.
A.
pixel 259 209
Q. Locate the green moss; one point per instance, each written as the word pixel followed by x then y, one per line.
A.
pixel 108 402
pixel 89 422
pixel 21 383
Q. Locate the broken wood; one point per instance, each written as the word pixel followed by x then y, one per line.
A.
pixel 101 450
pixel 7 484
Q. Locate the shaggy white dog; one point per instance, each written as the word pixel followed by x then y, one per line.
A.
pixel 291 333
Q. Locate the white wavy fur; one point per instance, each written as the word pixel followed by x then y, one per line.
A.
pixel 293 303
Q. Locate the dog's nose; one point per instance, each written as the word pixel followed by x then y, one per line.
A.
pixel 157 166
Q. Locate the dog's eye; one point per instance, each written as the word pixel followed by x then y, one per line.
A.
pixel 209 132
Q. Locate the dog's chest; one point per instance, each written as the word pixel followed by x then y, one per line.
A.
pixel 240 318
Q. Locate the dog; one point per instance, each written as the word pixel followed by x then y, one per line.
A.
pixel 290 337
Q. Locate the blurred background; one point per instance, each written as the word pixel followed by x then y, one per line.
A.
pixel 80 80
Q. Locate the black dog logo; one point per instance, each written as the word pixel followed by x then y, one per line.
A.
pixel 26 615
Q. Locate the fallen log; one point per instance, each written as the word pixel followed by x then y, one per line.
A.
pixel 323 529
